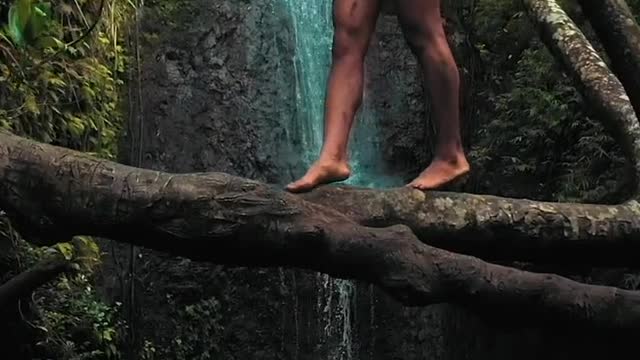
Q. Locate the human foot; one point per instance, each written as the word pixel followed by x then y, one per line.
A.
pixel 322 172
pixel 441 172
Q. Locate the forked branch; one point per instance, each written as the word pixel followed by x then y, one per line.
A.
pixel 58 193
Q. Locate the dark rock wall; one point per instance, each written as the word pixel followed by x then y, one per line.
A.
pixel 215 87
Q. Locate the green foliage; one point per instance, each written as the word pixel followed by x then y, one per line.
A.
pixel 14 253
pixel 71 321
pixel 537 141
pixel 27 20
pixel 198 331
pixel 61 84
pixel 55 93
pixel 75 322
pixel 148 351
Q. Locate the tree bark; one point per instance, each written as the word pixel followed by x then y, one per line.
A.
pixel 604 92
pixel 57 193
pixel 28 281
pixel 619 33
pixel 497 228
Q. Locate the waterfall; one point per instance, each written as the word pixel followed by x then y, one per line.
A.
pixel 312 26
pixel 313 35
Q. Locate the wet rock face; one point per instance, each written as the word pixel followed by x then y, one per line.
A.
pixel 216 84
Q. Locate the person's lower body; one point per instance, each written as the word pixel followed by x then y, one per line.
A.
pixel 423 28
pixel 354 22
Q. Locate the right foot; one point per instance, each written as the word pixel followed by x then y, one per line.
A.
pixel 322 172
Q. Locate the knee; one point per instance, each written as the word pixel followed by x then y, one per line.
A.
pixel 427 42
pixel 347 46
pixel 349 42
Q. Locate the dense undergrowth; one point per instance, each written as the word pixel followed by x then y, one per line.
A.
pixel 64 85
pixel 537 139
pixel 62 71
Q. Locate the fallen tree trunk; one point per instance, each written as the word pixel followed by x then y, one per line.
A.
pixel 490 227
pixel 28 281
pixel 58 193
pixel 619 33
pixel 604 92
pixel 496 228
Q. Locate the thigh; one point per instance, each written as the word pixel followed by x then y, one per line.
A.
pixel 355 19
pixel 419 17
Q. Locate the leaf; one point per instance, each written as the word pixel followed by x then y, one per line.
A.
pixel 44 329
pixel 15 26
pixel 31 105
pixel 66 249
pixel 75 126
pixel 50 42
pixel 37 21
pixel 88 247
pixel 88 93
pixel 57 82
pixel 23 11
pixel 44 8
pixel 4 38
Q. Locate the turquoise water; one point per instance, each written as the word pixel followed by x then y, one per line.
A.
pixel 313 31
pixel 313 34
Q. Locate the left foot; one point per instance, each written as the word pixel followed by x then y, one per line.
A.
pixel 322 172
pixel 441 172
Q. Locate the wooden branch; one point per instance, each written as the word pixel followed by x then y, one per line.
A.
pixel 600 87
pixel 497 228
pixel 234 221
pixel 619 33
pixel 28 281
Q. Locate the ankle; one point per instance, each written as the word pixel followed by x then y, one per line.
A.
pixel 452 155
pixel 333 159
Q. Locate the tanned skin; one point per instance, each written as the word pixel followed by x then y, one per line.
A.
pixel 354 22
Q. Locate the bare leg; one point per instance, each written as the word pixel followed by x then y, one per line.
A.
pixel 423 28
pixel 354 21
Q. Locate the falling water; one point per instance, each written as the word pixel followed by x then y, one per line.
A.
pixel 313 34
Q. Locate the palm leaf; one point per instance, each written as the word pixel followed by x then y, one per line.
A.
pixel 19 15
pixel 14 27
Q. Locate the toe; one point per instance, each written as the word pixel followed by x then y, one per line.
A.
pixel 296 188
pixel 420 186
pixel 415 185
pixel 300 186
